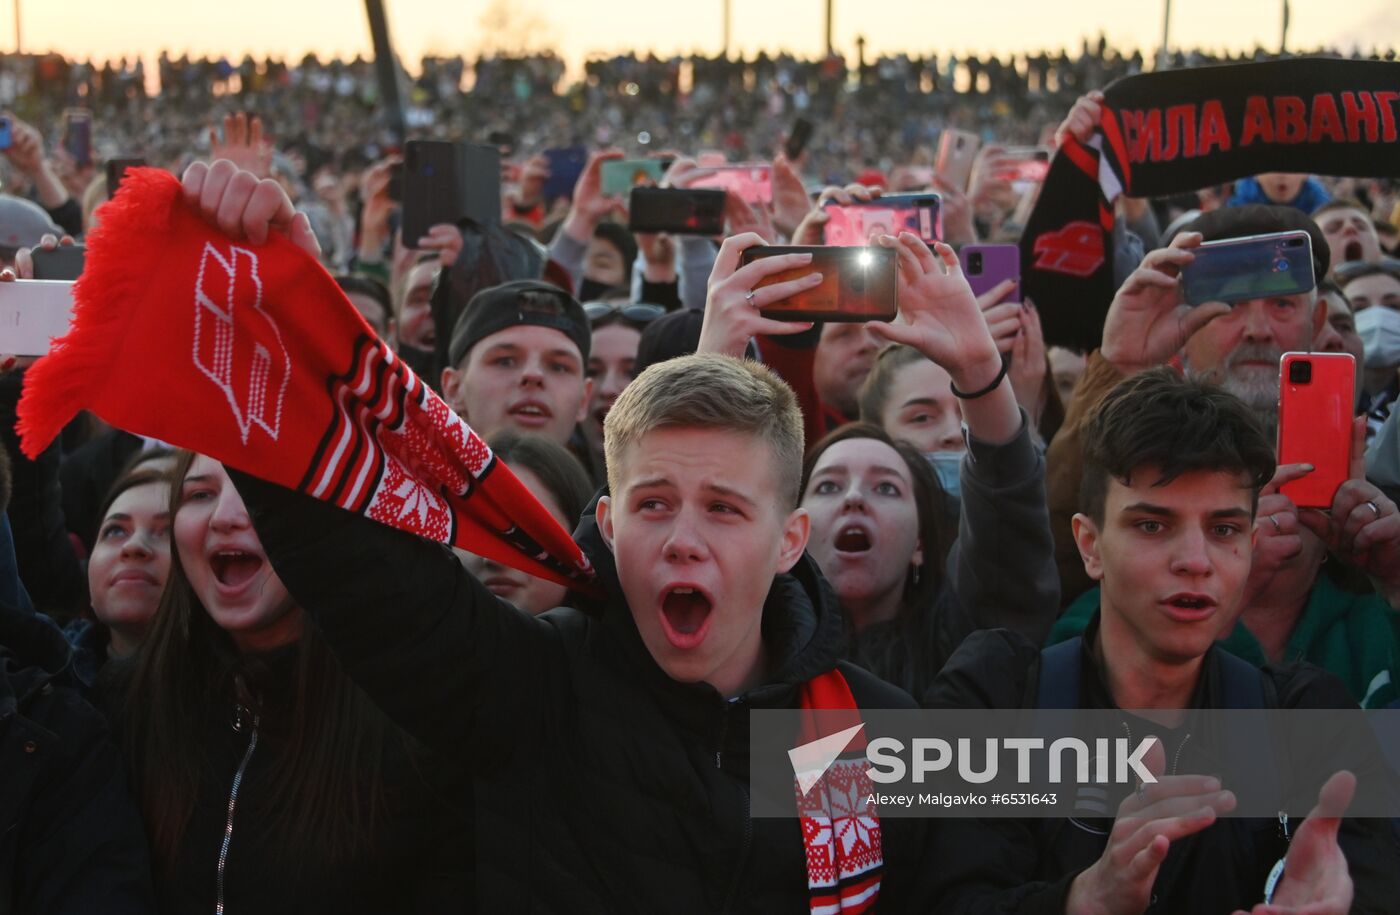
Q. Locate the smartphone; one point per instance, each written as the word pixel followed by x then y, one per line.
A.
pixel 957 150
pixel 6 134
pixel 62 263
pixel 680 211
pixel 858 284
pixel 987 265
pixel 1253 267
pixel 858 223
pixel 566 165
pixel 621 175
pixel 77 135
pixel 1024 166
pixel 446 182
pixel 116 171
pixel 797 139
pixel 750 182
pixel 1316 396
pixel 32 313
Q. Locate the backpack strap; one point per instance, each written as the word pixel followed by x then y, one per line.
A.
pixel 1058 685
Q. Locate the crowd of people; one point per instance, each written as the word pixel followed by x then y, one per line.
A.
pixel 219 692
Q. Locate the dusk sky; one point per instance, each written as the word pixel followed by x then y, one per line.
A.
pixel 577 28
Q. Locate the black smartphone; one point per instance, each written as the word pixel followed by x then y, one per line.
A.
pixel 858 284
pixel 680 211
pixel 116 171
pixel 446 182
pixel 798 138
pixel 62 263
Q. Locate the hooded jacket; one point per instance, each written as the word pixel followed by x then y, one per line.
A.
pixel 71 839
pixel 602 784
pixel 1003 866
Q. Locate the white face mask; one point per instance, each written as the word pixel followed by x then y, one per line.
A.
pixel 1379 329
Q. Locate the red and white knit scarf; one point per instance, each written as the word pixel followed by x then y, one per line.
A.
pixel 251 354
pixel 840 828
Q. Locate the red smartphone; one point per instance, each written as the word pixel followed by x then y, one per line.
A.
pixel 1315 409
pixel 986 265
pixel 858 284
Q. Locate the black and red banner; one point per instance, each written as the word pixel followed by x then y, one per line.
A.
pixel 1165 133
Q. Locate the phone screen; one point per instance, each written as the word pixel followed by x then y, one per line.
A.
pixel 858 284
pixel 750 183
pixel 680 211
pixel 77 136
pixel 621 175
pixel 858 223
pixel 1238 269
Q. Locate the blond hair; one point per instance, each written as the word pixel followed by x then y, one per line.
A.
pixel 710 392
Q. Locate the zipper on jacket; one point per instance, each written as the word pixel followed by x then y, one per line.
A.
pixel 729 707
pixel 238 714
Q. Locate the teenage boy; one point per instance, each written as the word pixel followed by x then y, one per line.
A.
pixel 517 360
pixel 1172 474
pixel 609 748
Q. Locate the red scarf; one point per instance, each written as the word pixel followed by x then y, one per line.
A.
pixel 840 828
pixel 251 354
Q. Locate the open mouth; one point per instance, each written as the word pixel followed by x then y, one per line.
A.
pixel 1189 607
pixel 852 539
pixel 235 568
pixel 531 412
pixel 685 615
pixel 1352 251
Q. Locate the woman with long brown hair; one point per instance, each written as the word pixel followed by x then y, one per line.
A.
pixel 268 781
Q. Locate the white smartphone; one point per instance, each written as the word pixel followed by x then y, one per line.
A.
pixel 32 313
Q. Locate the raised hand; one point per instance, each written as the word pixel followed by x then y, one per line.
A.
pixel 1120 881
pixel 244 207
pixel 732 303
pixel 1316 880
pixel 1083 119
pixel 1147 322
pixel 1363 525
pixel 591 206
pixel 243 144
pixel 790 200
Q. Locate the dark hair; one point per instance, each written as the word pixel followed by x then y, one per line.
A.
pixel 327 789
pixel 1173 425
pixel 557 468
pixel 897 653
pixel 875 391
pixel 621 239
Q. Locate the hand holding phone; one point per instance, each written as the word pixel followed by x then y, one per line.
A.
pixel 64 262
pixel 740 288
pixel 941 317
pixel 1316 399
pixel 957 151
pixel 856 284
pixel 858 222
pixel 679 211
pixel 1254 267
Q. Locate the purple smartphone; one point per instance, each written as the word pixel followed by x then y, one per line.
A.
pixel 986 265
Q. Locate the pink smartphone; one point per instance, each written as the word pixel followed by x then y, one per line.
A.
pixel 986 265
pixel 957 150
pixel 751 183
pixel 1315 408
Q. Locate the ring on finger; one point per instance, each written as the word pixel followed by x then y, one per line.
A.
pixel 1278 528
pixel 1374 507
pixel 749 296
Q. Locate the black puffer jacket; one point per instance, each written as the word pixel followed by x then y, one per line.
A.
pixel 71 839
pixel 1000 866
pixel 602 784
